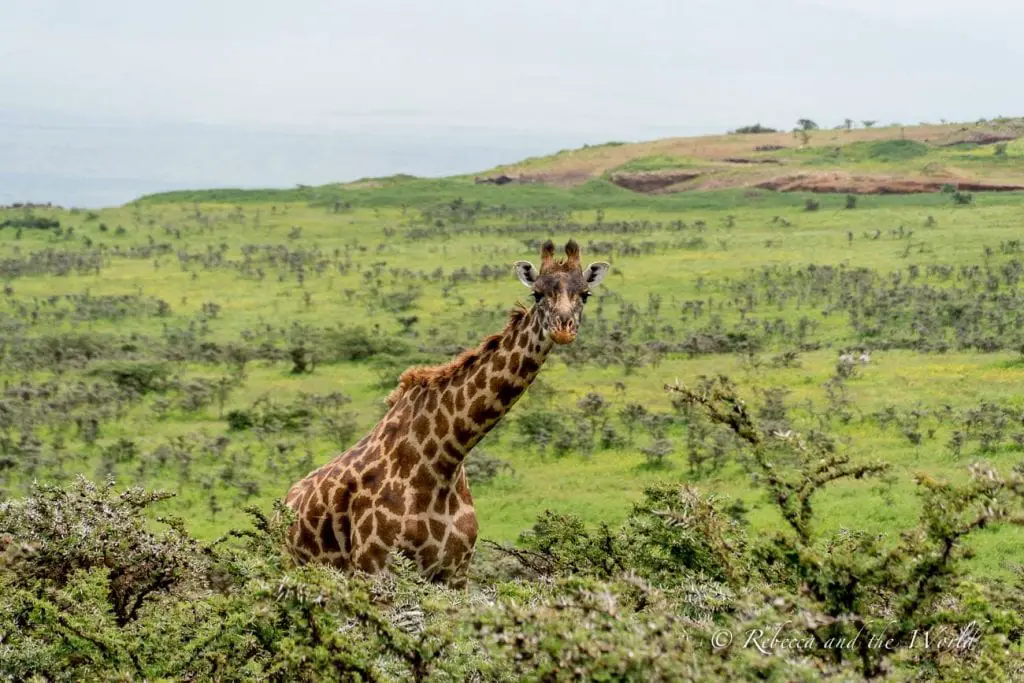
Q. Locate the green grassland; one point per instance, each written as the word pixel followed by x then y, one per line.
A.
pixel 934 283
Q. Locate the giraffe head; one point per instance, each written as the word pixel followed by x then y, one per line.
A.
pixel 560 289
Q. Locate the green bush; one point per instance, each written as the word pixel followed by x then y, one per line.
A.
pixel 756 128
pixel 481 467
pixel 962 198
pixel 140 377
pixel 31 222
pixel 356 343
pixel 240 420
pixel 56 534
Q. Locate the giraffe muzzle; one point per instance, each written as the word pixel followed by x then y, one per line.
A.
pixel 564 332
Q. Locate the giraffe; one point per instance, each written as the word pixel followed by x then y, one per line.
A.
pixel 402 487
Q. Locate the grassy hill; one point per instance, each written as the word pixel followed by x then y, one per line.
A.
pixel 979 156
pixel 861 160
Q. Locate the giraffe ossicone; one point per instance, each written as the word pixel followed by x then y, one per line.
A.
pixel 402 487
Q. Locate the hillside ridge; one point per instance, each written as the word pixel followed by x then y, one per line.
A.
pixel 982 156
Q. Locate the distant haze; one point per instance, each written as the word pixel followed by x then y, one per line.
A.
pixel 105 100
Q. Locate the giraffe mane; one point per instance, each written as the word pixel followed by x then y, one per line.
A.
pixel 431 375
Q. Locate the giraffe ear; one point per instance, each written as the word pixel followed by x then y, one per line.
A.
pixel 595 273
pixel 526 273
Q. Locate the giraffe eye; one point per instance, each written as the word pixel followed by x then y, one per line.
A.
pixel 538 296
pixel 584 296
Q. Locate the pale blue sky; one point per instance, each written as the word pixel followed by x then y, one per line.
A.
pixel 194 92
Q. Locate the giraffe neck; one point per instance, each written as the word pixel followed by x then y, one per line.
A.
pixel 448 414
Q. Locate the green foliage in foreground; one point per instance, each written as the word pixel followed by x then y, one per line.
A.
pixel 680 591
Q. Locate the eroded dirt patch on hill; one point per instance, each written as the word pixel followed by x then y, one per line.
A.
pixel 875 184
pixel 652 181
pixel 980 139
pixel 553 178
pixel 746 160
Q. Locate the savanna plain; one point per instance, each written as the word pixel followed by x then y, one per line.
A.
pixel 787 412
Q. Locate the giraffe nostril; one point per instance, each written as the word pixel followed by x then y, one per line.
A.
pixel 564 330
